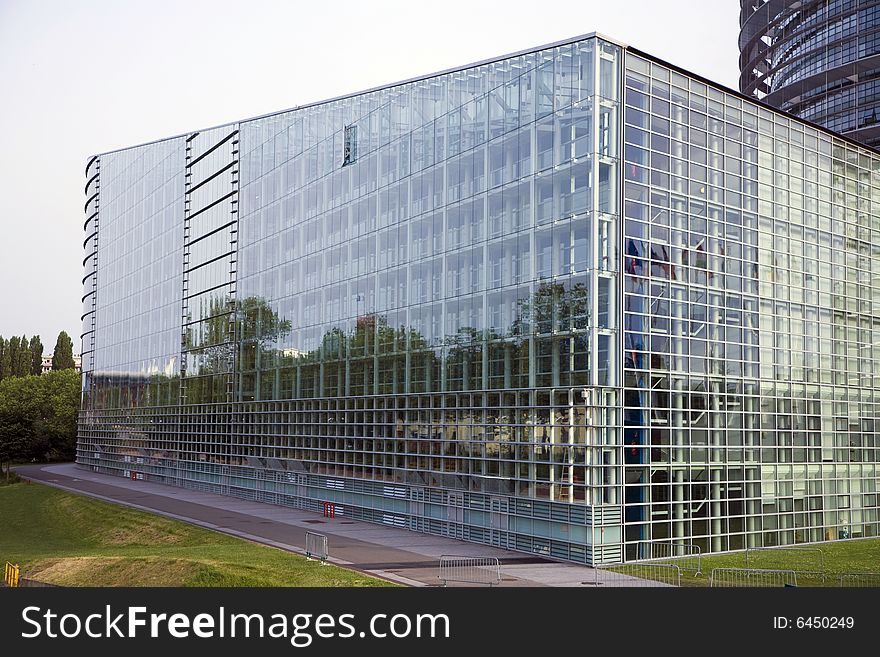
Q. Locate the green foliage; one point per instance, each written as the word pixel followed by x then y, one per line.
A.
pixel 20 356
pixel 62 357
pixel 5 360
pixel 257 319
pixel 9 478
pixel 56 423
pixel 38 416
pixel 25 359
pixel 36 349
pixel 815 564
pixel 13 346
pixel 210 346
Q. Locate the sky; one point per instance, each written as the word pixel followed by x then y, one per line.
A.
pixel 89 76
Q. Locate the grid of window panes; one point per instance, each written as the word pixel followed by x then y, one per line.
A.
pixel 848 107
pixel 751 322
pixel 850 31
pixel 424 305
pixel 136 356
pixel 785 45
pixel 209 256
pixel 453 255
pixel 805 41
pixel 424 297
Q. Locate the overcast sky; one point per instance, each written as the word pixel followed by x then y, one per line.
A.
pixel 87 76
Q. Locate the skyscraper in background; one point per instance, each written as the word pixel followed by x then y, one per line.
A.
pixel 818 59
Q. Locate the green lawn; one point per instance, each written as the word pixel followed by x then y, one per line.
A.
pixel 809 562
pixel 72 540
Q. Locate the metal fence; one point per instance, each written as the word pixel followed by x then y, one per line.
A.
pixel 751 577
pixel 686 556
pixel 805 560
pixel 472 570
pixel 860 580
pixel 316 547
pixel 638 575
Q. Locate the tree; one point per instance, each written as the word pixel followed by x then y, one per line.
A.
pixel 5 364
pixel 13 347
pixel 25 360
pixel 210 348
pixel 16 408
pixel 256 318
pixel 36 349
pixel 62 357
pixel 38 416
pixel 55 425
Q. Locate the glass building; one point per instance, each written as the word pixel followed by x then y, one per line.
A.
pixel 569 301
pixel 818 59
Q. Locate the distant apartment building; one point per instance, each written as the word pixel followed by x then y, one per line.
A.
pixel 47 363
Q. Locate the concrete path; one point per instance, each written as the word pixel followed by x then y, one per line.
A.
pixel 398 555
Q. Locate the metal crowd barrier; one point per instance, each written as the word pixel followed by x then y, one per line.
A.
pixel 473 570
pixel 751 577
pixel 687 556
pixel 638 575
pixel 787 557
pixel 860 580
pixel 316 547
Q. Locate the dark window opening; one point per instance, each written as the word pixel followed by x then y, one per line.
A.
pixel 349 150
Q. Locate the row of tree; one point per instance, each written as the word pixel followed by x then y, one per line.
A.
pixel 38 417
pixel 20 357
pixel 23 357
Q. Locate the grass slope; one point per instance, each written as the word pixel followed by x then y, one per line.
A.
pixel 834 558
pixel 809 562
pixel 72 540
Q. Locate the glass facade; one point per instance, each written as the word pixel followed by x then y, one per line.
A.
pixel 567 302
pixel 750 316
pixel 819 60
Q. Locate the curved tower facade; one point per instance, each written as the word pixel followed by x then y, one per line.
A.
pixel 818 59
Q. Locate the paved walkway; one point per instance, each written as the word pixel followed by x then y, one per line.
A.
pixel 399 555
